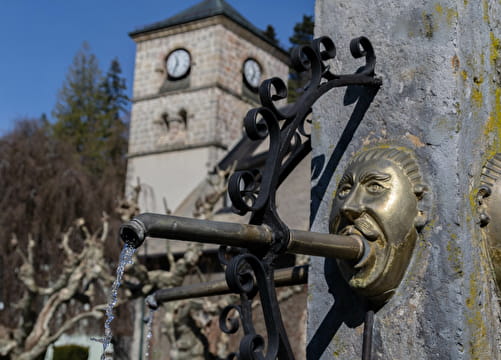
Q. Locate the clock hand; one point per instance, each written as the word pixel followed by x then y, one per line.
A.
pixel 176 65
pixel 255 77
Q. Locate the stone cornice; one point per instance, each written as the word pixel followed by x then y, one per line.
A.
pixel 178 147
pixel 195 89
pixel 229 24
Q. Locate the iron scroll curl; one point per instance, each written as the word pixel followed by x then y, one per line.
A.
pixel 255 190
pixel 246 273
pixel 227 324
pixel 259 244
pixel 244 185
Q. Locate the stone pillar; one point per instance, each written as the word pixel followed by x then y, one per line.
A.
pixel 441 96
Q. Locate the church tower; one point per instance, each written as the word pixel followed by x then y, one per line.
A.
pixel 196 76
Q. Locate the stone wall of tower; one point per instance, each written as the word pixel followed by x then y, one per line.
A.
pixel 152 50
pixel 214 100
pixel 149 132
pixel 213 97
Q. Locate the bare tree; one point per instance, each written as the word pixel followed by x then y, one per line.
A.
pixel 54 266
pixel 82 273
pixel 77 292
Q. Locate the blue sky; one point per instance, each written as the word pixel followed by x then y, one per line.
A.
pixel 40 37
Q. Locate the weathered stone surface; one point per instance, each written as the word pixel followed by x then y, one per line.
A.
pixel 213 98
pixel 441 96
pixel 188 124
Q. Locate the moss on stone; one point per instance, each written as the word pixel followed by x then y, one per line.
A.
pixel 451 16
pixel 477 97
pixel 439 9
pixel 476 323
pixel 455 255
pixel 494 48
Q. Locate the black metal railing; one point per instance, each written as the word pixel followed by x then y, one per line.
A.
pixel 267 237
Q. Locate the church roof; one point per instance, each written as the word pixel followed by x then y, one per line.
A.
pixel 203 10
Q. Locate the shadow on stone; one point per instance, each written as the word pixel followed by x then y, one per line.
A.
pixel 363 96
pixel 349 309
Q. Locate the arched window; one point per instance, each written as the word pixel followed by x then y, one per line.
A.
pixel 183 114
pixel 165 120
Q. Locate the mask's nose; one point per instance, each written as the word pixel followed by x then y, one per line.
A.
pixel 352 206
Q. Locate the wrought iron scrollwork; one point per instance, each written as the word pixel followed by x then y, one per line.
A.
pixel 254 191
pixel 245 274
pixel 229 325
pixel 251 270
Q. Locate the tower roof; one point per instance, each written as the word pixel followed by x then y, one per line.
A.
pixel 203 10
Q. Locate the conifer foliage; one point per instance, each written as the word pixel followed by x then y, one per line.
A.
pixel 271 34
pixel 303 35
pixel 90 113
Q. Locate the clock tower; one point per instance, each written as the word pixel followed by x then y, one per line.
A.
pixel 196 76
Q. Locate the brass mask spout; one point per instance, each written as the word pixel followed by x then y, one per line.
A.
pixel 134 232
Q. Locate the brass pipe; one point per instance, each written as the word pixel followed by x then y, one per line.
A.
pixel 135 232
pixel 283 277
pixel 327 245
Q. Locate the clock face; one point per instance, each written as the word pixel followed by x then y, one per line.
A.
pixel 178 63
pixel 252 73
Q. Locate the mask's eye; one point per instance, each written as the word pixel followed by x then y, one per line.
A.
pixel 375 188
pixel 344 190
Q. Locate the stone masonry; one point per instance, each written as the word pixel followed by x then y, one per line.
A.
pixel 440 65
pixel 214 99
pixel 213 102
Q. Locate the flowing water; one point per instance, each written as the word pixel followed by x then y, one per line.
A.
pixel 149 332
pixel 125 259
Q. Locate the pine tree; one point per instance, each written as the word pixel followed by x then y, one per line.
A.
pixel 271 34
pixel 303 31
pixel 114 126
pixel 79 101
pixel 303 35
pixel 90 112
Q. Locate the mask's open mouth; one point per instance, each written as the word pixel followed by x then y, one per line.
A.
pixel 367 228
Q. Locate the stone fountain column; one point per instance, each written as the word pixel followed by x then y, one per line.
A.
pixel 441 97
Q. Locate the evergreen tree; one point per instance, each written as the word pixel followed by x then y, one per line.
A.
pixel 90 112
pixel 303 31
pixel 79 101
pixel 271 34
pixel 114 126
pixel 303 35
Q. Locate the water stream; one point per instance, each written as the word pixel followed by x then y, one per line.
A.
pixel 125 259
pixel 149 333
